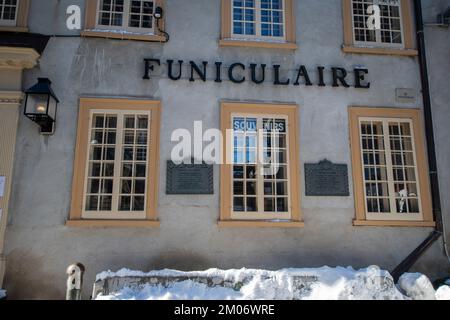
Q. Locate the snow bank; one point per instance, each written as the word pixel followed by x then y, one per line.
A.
pixel 417 286
pixel 245 284
pixel 443 293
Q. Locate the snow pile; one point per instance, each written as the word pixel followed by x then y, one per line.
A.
pixel 288 284
pixel 443 293
pixel 417 286
pixel 2 294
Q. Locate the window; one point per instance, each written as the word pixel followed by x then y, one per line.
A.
pixel 395 35
pixel 260 182
pixel 132 15
pixel 391 30
pixel 388 156
pixel 8 12
pixel 259 18
pixel 263 23
pixel 124 19
pixel 13 15
pixel 117 149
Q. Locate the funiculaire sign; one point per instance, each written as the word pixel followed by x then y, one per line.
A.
pixel 258 73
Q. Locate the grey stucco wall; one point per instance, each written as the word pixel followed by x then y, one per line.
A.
pixel 438 44
pixel 40 247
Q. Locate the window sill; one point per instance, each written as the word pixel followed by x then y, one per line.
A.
pixel 376 223
pixel 113 223
pixel 257 44
pixel 260 224
pixel 13 29
pixel 381 51
pixel 122 36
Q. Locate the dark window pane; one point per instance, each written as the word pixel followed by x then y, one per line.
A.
pixel 238 204
pixel 125 204
pixel 139 187
pixel 251 205
pixel 140 170
pixel 105 203
pixel 92 203
pixel 282 205
pixel 238 172
pixel 138 203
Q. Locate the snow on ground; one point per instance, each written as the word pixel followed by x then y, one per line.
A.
pixel 417 286
pixel 324 284
pixel 443 293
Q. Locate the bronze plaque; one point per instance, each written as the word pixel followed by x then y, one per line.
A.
pixel 189 178
pixel 326 179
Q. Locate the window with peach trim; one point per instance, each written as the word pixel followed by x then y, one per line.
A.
pixel 258 23
pixel 115 174
pixel 395 35
pixel 123 19
pixel 389 167
pixel 14 15
pixel 260 181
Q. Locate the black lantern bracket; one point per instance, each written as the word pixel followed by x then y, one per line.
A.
pixel 41 105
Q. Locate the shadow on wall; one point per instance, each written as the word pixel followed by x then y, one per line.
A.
pixel 26 284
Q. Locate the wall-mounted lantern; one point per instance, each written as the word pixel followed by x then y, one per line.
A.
pixel 158 15
pixel 41 104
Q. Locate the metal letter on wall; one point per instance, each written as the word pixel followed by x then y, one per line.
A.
pixel 326 179
pixel 189 179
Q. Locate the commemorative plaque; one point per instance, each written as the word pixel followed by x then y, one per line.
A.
pixel 326 179
pixel 189 178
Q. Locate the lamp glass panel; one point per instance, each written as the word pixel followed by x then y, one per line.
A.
pixel 52 108
pixel 37 104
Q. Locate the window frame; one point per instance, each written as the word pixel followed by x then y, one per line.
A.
pixel 10 23
pixel 377 43
pixel 115 214
pixel 258 23
pixel 229 218
pixel 78 216
pixel 126 20
pixel 20 24
pixel 262 215
pixel 93 29
pixel 228 38
pixel 363 218
pixel 407 48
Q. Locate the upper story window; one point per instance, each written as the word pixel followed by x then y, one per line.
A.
pixel 124 19
pixel 259 184
pixel 115 174
pixel 390 31
pixel 258 23
pixel 132 15
pixel 392 34
pixel 9 12
pixel 259 18
pixel 390 174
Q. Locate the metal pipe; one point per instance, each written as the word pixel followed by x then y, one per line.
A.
pixel 412 258
pixel 429 130
pixel 406 264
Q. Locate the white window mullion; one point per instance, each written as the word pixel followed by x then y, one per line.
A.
pixel 259 164
pixel 389 167
pixel 126 14
pixel 117 163
pixel 149 152
pixel 258 21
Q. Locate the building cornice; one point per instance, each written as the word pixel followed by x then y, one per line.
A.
pixel 11 97
pixel 18 58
